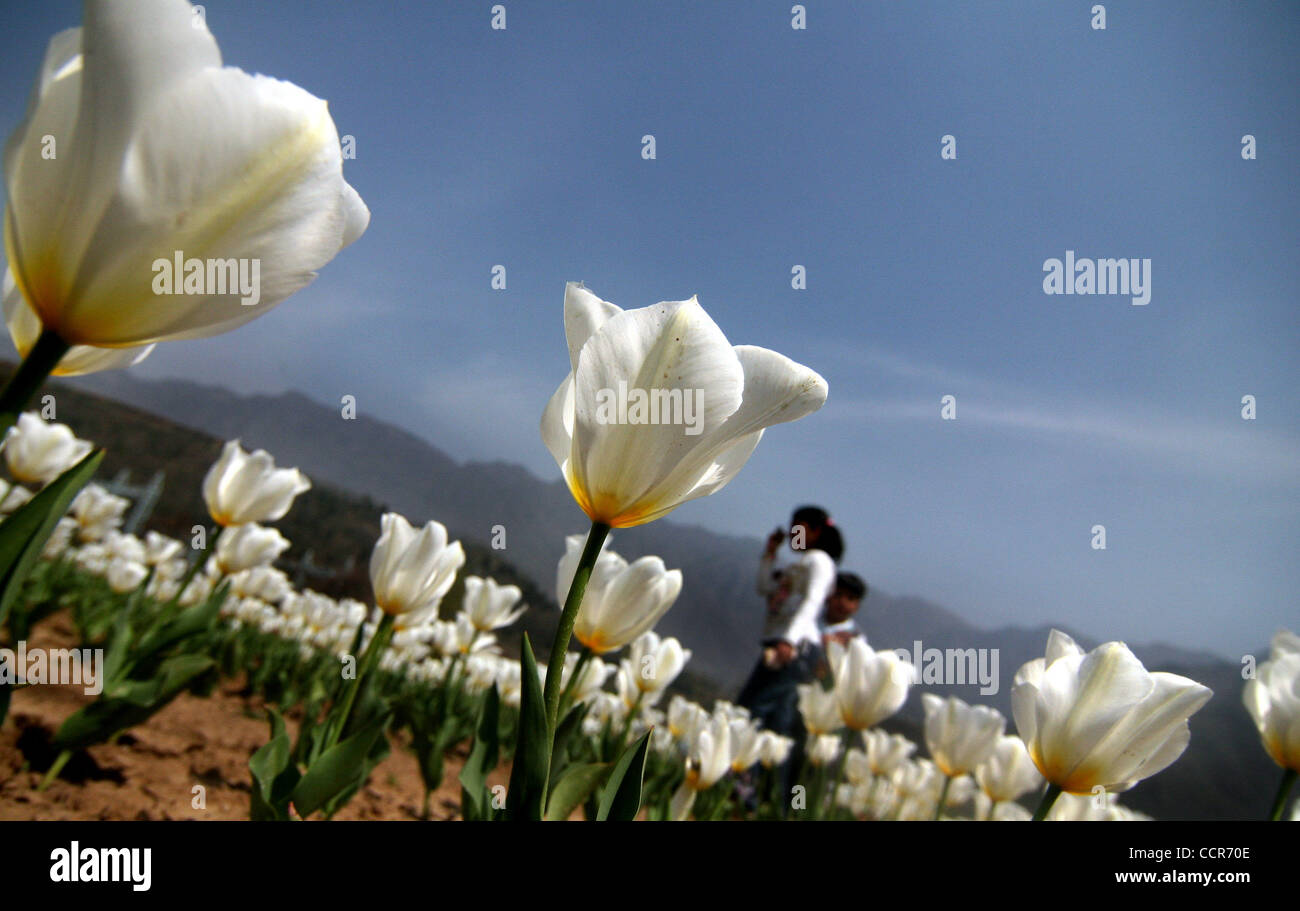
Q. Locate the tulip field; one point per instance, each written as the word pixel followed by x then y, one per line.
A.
pixel 195 670
pixel 346 688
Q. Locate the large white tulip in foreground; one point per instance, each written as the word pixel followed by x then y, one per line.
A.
pixel 627 467
pixel 25 328
pixel 161 151
pixel 1101 718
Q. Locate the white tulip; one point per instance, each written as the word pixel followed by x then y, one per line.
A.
pixel 160 549
pixel 12 496
pixel 870 685
pixel 625 468
pixel 1272 697
pixel 489 605
pixel 1000 811
pixel 241 547
pixel 653 663
pixel 125 575
pixel 1101 718
pixel 60 539
pixel 820 709
pixel 824 750
pixel 885 752
pixel 685 719
pixel 241 488
pixel 125 546
pixel 164 152
pixel 709 756
pixel 25 327
pixel 97 512
pixel 746 745
pixel 410 571
pixel 38 452
pixel 1008 772
pixel 622 600
pixel 960 736
pixel 857 766
pixel 265 583
pixel 773 749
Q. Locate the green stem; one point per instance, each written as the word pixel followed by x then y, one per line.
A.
pixel 627 726
pixel 55 769
pixel 560 646
pixel 943 795
pixel 1283 792
pixel 31 373
pixel 1049 798
pixel 378 643
pixel 566 697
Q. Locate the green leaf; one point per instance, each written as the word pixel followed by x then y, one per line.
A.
pixel 532 746
pixel 24 533
pixel 272 773
pixel 475 802
pixel 578 783
pixel 338 769
pixel 129 703
pixel 620 800
pixel 193 620
pixel 572 724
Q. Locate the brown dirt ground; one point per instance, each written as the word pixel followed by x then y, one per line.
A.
pixel 151 771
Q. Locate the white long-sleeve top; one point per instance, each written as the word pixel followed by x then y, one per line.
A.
pixel 811 579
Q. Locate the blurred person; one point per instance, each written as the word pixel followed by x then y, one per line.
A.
pixel 791 641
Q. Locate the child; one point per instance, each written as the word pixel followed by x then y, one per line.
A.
pixel 838 624
pixel 838 628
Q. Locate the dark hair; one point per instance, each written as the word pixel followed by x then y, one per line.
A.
pixel 829 538
pixel 812 516
pixel 852 585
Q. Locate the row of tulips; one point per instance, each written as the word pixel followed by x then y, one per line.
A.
pixel 1098 722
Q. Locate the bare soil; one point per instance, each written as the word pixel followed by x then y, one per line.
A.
pixel 152 771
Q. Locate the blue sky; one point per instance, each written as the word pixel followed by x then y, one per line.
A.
pixel 821 148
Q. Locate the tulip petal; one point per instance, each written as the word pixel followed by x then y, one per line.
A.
pixel 584 314
pixel 670 346
pixel 225 167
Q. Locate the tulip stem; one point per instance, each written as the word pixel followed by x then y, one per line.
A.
pixel 1283 792
pixel 943 796
pixel 563 633
pixel 566 697
pixel 31 373
pixel 378 643
pixel 60 761
pixel 1049 797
